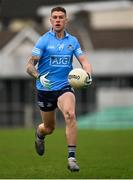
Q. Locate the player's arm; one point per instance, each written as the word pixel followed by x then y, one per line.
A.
pixel 85 64
pixel 81 57
pixel 32 71
pixel 30 67
pixel 87 67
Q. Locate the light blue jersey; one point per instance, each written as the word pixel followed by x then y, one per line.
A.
pixel 56 57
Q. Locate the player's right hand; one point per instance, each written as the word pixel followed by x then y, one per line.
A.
pixel 44 81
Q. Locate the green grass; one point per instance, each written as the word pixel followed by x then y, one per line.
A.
pixel 101 154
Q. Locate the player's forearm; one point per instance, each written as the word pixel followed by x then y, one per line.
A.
pixel 30 68
pixel 85 64
pixel 87 67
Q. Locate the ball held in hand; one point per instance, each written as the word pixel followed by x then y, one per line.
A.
pixel 79 78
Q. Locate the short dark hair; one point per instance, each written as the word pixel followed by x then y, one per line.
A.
pixel 58 8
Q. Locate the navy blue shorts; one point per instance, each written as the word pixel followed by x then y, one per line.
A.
pixel 47 100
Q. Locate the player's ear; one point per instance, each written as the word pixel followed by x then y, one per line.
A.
pixel 66 21
pixel 50 20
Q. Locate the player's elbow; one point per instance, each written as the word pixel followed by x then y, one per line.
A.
pixel 28 68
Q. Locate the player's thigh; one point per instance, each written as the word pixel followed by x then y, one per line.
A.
pixel 66 102
pixel 48 118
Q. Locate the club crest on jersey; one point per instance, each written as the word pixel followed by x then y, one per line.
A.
pixel 70 47
pixel 60 61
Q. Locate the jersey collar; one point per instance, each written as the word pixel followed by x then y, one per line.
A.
pixel 53 33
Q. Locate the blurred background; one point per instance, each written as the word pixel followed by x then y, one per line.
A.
pixel 105 31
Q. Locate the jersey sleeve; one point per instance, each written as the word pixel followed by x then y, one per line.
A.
pixel 77 51
pixel 38 48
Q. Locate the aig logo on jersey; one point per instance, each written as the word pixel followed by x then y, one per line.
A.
pixel 60 61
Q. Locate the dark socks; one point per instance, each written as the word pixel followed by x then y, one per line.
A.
pixel 71 151
pixel 39 135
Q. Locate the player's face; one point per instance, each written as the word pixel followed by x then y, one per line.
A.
pixel 58 20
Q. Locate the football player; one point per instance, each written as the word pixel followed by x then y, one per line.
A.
pixel 53 53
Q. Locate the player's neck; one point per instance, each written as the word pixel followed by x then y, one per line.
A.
pixel 60 35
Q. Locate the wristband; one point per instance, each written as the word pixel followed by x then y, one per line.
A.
pixel 89 75
pixel 38 76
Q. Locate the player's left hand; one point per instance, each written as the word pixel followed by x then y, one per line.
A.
pixel 88 80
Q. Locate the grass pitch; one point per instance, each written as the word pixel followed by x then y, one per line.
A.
pixel 101 154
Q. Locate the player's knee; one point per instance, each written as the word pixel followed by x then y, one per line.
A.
pixel 69 115
pixel 72 115
pixel 49 130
